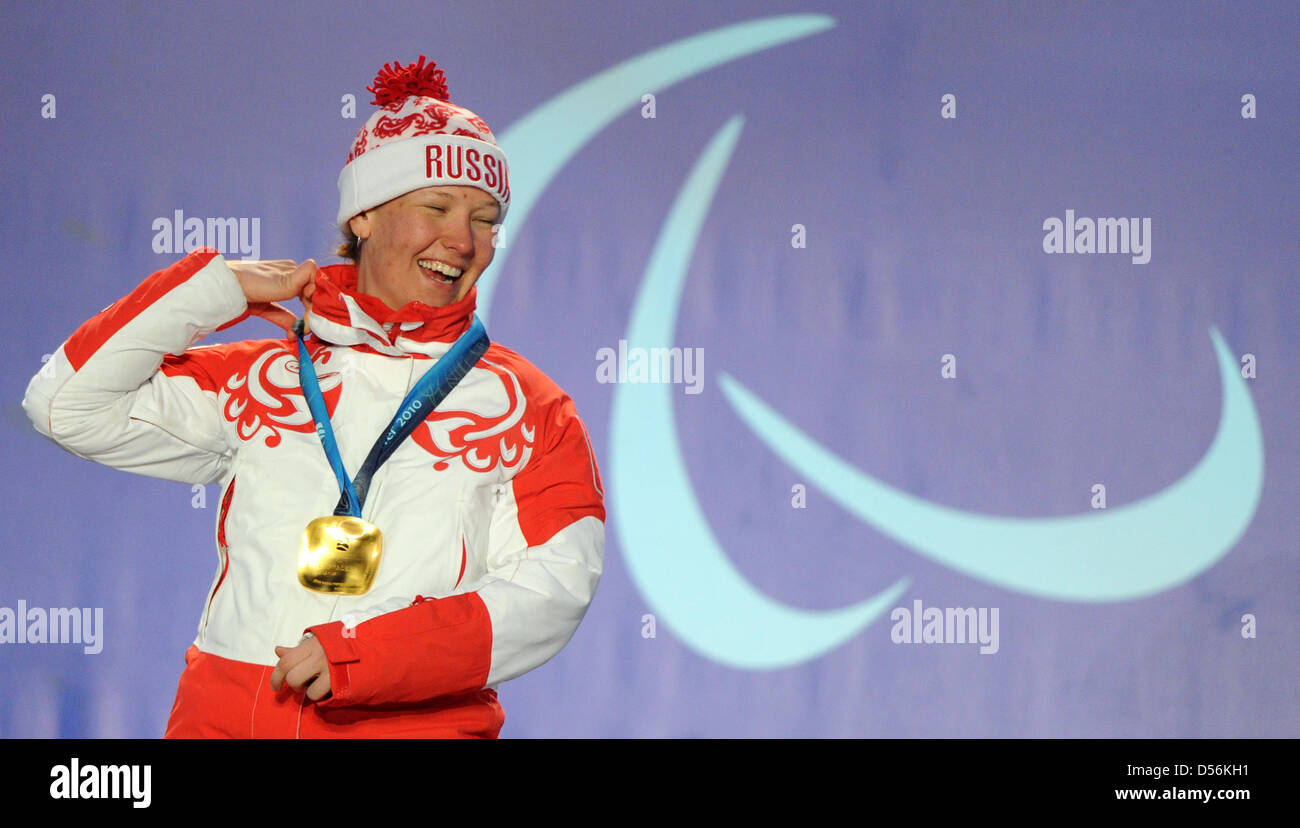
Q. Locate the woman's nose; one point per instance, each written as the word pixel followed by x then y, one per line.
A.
pixel 459 237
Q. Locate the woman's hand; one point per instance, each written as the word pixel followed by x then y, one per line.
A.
pixel 266 282
pixel 271 280
pixel 304 666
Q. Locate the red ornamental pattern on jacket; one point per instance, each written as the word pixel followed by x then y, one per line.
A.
pixel 267 397
pixel 482 442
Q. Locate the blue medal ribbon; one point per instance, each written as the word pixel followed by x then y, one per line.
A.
pixel 431 390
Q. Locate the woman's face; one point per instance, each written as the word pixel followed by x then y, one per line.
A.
pixel 429 245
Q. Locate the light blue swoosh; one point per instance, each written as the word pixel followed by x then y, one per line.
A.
pixel 670 550
pixel 1111 555
pixel 542 142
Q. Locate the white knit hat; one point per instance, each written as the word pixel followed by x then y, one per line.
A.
pixel 418 139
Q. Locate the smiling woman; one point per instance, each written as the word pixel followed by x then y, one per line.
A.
pixel 429 246
pixel 455 560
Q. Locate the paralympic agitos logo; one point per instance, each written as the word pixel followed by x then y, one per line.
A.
pixel 662 530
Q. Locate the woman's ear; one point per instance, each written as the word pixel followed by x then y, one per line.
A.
pixel 360 225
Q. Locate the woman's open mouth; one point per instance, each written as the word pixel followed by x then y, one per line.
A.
pixel 440 272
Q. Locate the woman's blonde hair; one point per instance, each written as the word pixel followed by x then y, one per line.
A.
pixel 350 247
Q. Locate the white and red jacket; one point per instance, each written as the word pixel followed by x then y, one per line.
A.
pixel 491 512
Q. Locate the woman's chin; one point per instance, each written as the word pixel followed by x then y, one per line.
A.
pixel 440 294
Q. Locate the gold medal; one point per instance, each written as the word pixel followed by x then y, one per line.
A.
pixel 339 555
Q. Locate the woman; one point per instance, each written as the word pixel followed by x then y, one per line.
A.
pixel 466 540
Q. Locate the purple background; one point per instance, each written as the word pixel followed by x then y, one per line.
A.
pixel 924 238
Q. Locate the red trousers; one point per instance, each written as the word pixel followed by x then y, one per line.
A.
pixel 220 698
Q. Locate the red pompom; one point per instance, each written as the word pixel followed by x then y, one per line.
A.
pixel 396 82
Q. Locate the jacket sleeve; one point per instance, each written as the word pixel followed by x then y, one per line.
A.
pixel 547 548
pixel 114 393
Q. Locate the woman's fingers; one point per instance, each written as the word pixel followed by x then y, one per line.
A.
pixel 302 276
pixel 302 668
pixel 307 291
pixel 274 313
pixel 271 280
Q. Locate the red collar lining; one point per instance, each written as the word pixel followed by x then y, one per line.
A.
pixel 444 324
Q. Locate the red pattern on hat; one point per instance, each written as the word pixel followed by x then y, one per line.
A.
pixel 433 118
pixel 359 145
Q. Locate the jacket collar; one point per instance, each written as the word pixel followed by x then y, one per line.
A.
pixel 342 315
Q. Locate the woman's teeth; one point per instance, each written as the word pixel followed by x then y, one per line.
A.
pixel 444 273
